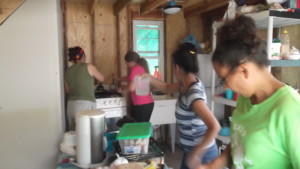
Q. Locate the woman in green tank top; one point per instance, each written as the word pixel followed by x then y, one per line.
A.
pixel 79 85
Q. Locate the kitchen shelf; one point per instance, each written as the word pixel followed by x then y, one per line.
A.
pixel 284 63
pixel 280 18
pixel 225 101
pixel 224 139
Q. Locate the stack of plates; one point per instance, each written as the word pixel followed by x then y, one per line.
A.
pixel 68 144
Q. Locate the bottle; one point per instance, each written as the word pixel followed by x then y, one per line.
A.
pixel 156 73
pixel 285 45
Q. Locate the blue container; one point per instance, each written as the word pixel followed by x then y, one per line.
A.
pixel 110 138
pixel 225 131
pixel 229 94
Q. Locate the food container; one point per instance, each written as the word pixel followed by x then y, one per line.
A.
pixel 294 57
pixel 134 138
pixel 155 152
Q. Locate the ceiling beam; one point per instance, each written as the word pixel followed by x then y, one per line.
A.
pixel 120 4
pixel 206 6
pixel 148 6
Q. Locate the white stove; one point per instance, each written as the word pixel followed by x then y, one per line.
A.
pixel 112 102
pixel 114 108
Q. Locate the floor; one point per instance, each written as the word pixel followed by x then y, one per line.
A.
pixel 173 160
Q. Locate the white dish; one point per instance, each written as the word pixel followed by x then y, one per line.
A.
pixel 294 57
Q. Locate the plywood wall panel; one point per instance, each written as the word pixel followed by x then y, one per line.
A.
pixel 175 32
pixel 194 26
pixel 105 49
pixel 78 26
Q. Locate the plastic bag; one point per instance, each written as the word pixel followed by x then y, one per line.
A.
pixel 231 10
pixel 192 39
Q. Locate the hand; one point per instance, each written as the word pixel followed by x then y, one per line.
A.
pixel 115 77
pixel 119 90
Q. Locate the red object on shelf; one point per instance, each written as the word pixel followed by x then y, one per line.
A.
pixel 235 96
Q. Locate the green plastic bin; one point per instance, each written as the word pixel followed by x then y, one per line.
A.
pixel 134 138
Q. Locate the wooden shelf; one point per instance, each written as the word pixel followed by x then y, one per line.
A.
pixel 223 100
pixel 284 63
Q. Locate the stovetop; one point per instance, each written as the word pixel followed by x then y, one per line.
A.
pixel 107 94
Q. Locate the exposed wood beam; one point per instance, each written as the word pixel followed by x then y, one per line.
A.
pixel 206 6
pixel 93 5
pixel 148 6
pixel 120 4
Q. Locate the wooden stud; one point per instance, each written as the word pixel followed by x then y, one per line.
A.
pixel 93 5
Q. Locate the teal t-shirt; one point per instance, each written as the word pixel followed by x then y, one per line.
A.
pixel 267 135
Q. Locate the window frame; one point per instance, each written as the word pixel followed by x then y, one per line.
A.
pixel 160 25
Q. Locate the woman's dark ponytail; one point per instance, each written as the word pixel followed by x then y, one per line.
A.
pixel 132 56
pixel 186 57
pixel 143 62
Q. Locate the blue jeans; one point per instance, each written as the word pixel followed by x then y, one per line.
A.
pixel 210 155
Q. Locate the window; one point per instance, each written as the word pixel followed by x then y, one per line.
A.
pixel 148 43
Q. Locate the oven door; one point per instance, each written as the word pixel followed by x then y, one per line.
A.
pixel 112 116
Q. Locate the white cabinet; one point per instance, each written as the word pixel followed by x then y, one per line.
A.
pixel 164 113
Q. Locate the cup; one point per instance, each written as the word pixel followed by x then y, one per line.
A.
pixel 229 94
pixel 142 85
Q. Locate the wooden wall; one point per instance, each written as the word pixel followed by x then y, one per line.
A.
pixel 78 26
pixel 95 32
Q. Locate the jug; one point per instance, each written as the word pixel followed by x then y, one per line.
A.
pixel 142 85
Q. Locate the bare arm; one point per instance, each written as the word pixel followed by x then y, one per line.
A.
pixel 66 87
pixel 163 86
pixel 95 73
pixel 122 79
pixel 220 162
pixel 213 126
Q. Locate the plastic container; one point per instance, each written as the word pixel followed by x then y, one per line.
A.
pixel 225 131
pixel 154 151
pixel 275 49
pixel 285 45
pixel 110 138
pixel 134 138
pixel 142 85
pixel 229 94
